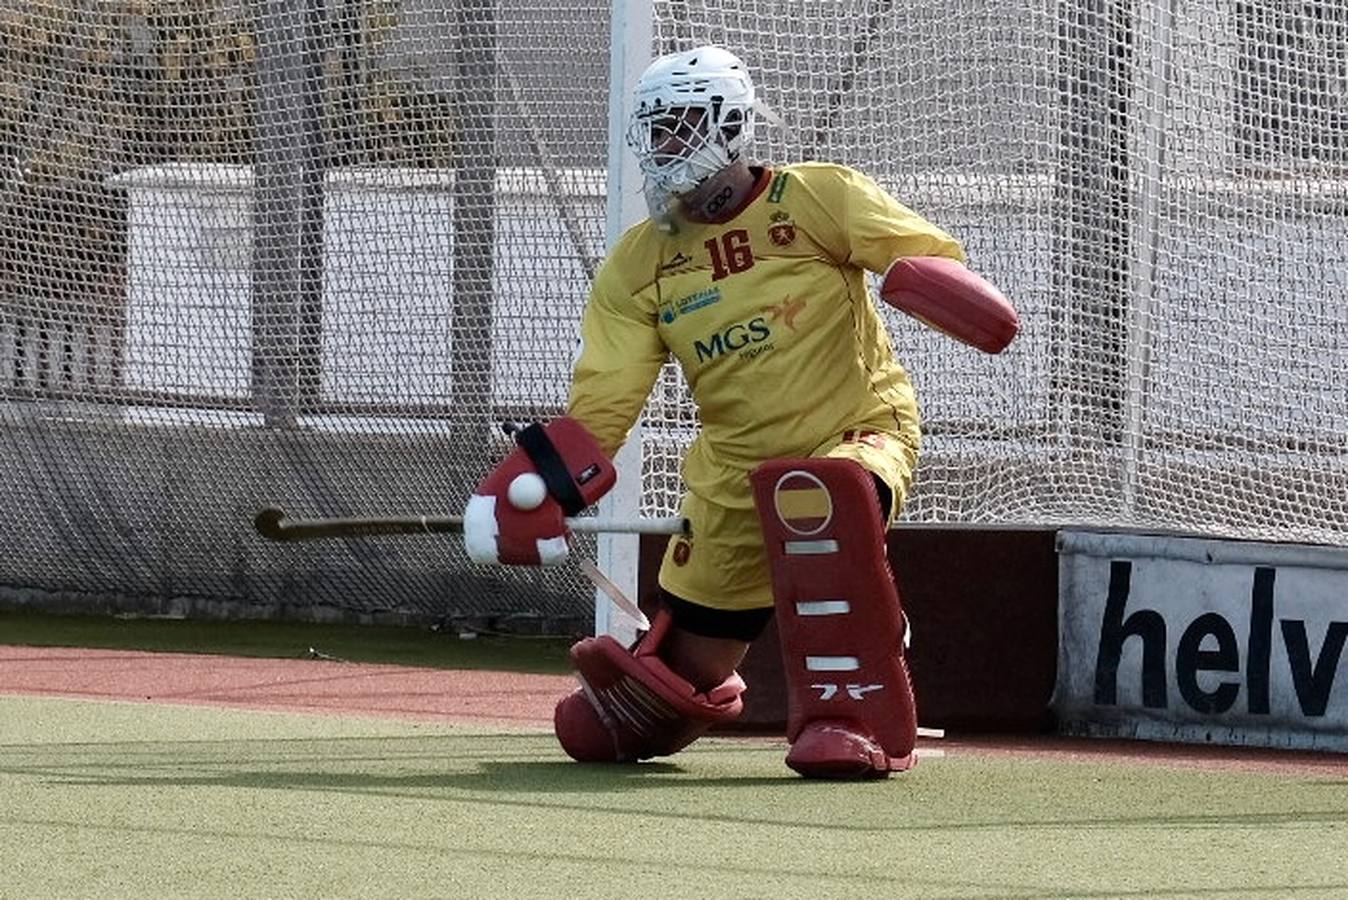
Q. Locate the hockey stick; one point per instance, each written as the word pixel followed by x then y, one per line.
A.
pixel 613 592
pixel 274 525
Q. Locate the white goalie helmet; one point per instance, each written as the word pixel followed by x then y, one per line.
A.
pixel 693 114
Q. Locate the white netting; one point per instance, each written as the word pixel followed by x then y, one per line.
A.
pixel 310 252
pixel 1162 189
pixel 302 252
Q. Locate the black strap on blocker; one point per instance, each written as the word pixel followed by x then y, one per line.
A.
pixel 536 444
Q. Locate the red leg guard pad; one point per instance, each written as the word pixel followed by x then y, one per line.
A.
pixel 631 706
pixel 850 706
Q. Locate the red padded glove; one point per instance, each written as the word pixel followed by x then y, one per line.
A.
pixel 526 525
pixel 950 298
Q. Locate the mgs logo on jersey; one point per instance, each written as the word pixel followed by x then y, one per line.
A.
pixel 747 338
pixel 751 338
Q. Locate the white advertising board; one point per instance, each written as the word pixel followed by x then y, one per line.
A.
pixel 1202 641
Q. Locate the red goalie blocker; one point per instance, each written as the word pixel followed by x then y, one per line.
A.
pixel 850 706
pixel 945 295
pixel 516 516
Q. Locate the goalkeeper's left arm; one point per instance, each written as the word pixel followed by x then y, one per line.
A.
pixel 923 267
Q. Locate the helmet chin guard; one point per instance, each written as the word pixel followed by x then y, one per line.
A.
pixel 693 115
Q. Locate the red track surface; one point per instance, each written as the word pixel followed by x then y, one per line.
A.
pixel 503 698
pixel 295 685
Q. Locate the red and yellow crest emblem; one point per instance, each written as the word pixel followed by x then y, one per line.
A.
pixel 782 231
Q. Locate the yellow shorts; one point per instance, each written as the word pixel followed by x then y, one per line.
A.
pixel 724 564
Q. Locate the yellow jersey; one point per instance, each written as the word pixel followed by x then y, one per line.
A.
pixel 770 318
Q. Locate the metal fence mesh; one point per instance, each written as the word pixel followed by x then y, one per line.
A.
pixel 312 252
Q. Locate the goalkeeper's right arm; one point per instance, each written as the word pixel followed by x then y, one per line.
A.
pixel 620 356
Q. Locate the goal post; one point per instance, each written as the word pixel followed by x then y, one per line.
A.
pixel 619 555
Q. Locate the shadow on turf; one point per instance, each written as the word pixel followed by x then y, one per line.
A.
pixel 541 777
pixel 504 762
pixel 509 776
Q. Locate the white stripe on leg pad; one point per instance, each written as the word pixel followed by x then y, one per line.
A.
pixel 809 548
pixel 832 663
pixel 822 607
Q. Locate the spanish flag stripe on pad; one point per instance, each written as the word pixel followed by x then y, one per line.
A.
pixel 806 503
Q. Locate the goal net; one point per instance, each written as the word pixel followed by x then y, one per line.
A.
pixel 312 253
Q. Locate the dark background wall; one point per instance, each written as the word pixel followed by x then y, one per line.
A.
pixel 983 606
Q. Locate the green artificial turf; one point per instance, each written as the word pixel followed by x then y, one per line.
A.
pixel 357 643
pixel 107 799
pixel 133 800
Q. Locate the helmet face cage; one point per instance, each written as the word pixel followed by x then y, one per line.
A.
pixel 694 115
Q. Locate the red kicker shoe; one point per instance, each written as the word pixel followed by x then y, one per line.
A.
pixel 833 748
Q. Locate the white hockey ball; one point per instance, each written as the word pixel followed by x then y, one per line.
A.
pixel 527 491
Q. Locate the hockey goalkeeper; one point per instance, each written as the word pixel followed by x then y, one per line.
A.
pixel 754 278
